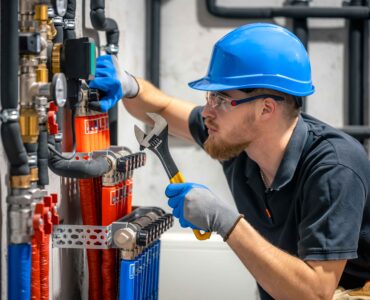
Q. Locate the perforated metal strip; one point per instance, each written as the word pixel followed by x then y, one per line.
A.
pixel 82 237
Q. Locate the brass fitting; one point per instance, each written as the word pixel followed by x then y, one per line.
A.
pixel 29 125
pixel 34 174
pixel 20 182
pixel 52 32
pixel 42 73
pixel 55 58
pixel 41 12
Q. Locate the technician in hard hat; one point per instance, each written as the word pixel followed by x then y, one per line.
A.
pixel 301 187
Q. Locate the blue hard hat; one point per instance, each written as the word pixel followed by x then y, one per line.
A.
pixel 258 55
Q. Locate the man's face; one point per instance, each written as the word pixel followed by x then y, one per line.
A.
pixel 231 129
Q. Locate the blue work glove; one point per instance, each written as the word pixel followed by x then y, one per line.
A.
pixel 197 207
pixel 112 82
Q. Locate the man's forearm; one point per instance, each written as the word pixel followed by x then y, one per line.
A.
pixel 282 275
pixel 151 99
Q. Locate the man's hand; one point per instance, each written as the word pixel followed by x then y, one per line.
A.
pixel 112 82
pixel 197 207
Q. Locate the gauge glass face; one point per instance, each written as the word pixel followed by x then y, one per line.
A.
pixel 60 91
pixel 61 7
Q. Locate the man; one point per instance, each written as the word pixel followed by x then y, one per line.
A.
pixel 301 187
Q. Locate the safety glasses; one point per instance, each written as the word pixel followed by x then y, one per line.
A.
pixel 218 100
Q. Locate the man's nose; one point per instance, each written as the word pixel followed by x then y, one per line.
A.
pixel 208 112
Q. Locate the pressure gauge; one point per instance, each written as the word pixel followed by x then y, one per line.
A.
pixel 60 7
pixel 59 89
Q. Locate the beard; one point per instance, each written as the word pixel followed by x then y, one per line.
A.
pixel 223 150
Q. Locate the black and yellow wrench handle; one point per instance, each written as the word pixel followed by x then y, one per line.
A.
pixel 178 178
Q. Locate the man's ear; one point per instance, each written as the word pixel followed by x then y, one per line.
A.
pixel 268 107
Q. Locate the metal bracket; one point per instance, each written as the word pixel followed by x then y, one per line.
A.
pixel 82 237
pixel 132 233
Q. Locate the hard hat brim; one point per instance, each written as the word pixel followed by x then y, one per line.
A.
pixel 302 89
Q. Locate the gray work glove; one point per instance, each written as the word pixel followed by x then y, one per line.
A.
pixel 197 207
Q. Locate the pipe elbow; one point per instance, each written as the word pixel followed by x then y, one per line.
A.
pixel 80 169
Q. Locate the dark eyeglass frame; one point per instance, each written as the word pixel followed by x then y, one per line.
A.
pixel 249 99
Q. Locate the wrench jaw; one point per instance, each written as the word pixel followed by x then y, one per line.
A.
pixel 157 141
pixel 140 137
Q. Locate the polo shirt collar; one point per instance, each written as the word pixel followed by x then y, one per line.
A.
pixel 290 159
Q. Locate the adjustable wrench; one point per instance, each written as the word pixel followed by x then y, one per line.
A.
pixel 157 141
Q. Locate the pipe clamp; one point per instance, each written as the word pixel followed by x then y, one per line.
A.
pixel 69 24
pixel 111 49
pixel 9 115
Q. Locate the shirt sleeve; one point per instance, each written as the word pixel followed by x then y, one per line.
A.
pixel 196 126
pixel 331 214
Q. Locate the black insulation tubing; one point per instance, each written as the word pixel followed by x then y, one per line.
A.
pixel 288 11
pixel 10 130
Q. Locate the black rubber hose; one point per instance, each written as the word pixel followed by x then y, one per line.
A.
pixel 9 54
pixel 10 131
pixel 59 36
pixel 14 149
pixel 42 158
pixel 288 11
pixel 70 33
pixel 80 169
pixel 100 22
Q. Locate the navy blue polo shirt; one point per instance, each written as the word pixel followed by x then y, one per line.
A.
pixel 318 206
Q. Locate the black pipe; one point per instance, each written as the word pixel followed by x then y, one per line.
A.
pixel 365 71
pixel 14 148
pixel 355 105
pixel 10 131
pixel 69 31
pixel 59 28
pixel 42 158
pixel 152 52
pixel 78 168
pixel 358 132
pixel 300 29
pixel 100 22
pixel 288 11
pixel 113 125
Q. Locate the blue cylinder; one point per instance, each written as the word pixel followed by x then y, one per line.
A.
pixel 127 280
pixel 19 272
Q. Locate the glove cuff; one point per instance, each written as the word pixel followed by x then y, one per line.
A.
pixel 226 236
pixel 129 84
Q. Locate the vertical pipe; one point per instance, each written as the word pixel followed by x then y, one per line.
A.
pixel 10 131
pixel 355 102
pixel 300 29
pixel 42 158
pixel 152 53
pixel 127 280
pixel 69 31
pixel 365 70
pixel 19 271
